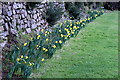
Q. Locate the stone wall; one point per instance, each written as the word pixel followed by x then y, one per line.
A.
pixel 15 17
pixel 18 17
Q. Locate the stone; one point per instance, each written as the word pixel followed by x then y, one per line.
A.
pixel 0 11
pixel 15 6
pixel 35 16
pixel 22 22
pixel 19 27
pixel 1 20
pixel 25 20
pixel 14 11
pixel 23 16
pixel 28 17
pixel 22 26
pixel 6 25
pixel 4 33
pixel 14 23
pixel 16 16
pixel 33 26
pixel 9 7
pixel 28 24
pixel 41 6
pixel 38 14
pixel 14 31
pixel 34 11
pixel 28 30
pixel 25 25
pixel 42 21
pixel 18 11
pixel 25 13
pixel 4 12
pixel 18 21
pixel 1 29
pixel 9 13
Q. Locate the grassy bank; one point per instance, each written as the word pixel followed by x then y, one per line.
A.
pixel 92 54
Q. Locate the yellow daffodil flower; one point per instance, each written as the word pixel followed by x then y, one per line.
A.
pixel 43 59
pixel 30 64
pixel 46 31
pixel 42 30
pixel 68 33
pixel 59 30
pixel 61 35
pixel 56 41
pixel 75 27
pixel 45 34
pixel 31 38
pixel 37 45
pixel 21 56
pixel 18 48
pixel 38 37
pixel 72 32
pixel 46 50
pixel 67 26
pixel 60 41
pixel 70 24
pixel 25 44
pixel 47 39
pixel 54 46
pixel 26 57
pixel 18 59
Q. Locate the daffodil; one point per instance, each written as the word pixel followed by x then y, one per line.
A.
pixel 75 27
pixel 62 35
pixel 46 31
pixel 59 30
pixel 30 64
pixel 47 39
pixel 46 50
pixel 67 26
pixel 18 59
pixel 26 57
pixel 31 38
pixel 60 41
pixel 21 56
pixel 45 34
pixel 43 59
pixel 56 41
pixel 54 46
pixel 64 21
pixel 18 48
pixel 65 37
pixel 72 32
pixel 37 45
pixel 42 30
pixel 25 44
pixel 38 37
pixel 68 33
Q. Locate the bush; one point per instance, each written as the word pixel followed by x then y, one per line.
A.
pixel 53 13
pixel 73 10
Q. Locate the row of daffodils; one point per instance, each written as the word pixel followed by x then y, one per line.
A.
pixel 30 55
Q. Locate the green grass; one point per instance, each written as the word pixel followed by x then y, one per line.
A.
pixel 92 54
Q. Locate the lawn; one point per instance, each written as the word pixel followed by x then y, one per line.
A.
pixel 92 54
